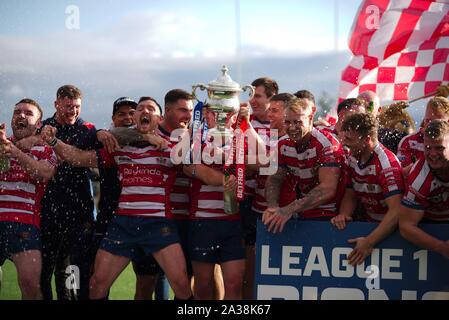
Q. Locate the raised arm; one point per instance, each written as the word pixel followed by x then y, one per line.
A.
pixel 70 154
pixel 41 170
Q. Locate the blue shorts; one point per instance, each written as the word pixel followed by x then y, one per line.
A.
pixel 16 237
pixel 133 237
pixel 249 220
pixel 216 241
pixel 183 226
pixel 249 225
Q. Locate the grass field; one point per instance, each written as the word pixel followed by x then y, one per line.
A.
pixel 123 288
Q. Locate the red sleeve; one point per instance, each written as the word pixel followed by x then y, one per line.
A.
pixel 105 158
pixel 404 153
pixel 44 153
pixel 331 156
pixel 391 181
pixel 281 157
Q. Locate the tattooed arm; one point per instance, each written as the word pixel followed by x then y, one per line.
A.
pixel 129 136
pixel 273 187
pixel 319 195
pixel 276 218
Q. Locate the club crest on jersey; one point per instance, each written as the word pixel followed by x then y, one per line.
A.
pixel 162 160
pixel 124 159
pixel 165 231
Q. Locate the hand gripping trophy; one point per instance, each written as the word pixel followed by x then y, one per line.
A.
pixel 223 99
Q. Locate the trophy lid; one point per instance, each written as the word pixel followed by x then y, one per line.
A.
pixel 224 82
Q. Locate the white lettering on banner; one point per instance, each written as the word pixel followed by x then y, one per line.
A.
pixel 388 263
pixel 316 254
pixel 288 260
pixel 265 260
pixel 269 292
pixel 421 256
pixel 347 271
pixel 342 294
pixel 361 269
pixel 339 265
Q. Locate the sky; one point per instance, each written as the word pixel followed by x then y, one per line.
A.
pixel 134 48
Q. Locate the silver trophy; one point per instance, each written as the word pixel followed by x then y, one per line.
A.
pixel 223 97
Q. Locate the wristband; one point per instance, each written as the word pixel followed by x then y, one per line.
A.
pixel 53 142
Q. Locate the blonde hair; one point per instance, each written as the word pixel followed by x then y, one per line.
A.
pixel 439 104
pixel 298 105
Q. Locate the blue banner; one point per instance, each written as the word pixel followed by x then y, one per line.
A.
pixel 308 261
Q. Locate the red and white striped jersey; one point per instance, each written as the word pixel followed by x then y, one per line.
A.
pixel 20 194
pixel 427 193
pixel 287 194
pixel 263 130
pixel 207 200
pixel 411 148
pixel 180 194
pixel 146 177
pixel 375 181
pixel 322 150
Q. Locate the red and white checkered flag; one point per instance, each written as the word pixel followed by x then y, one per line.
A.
pixel 400 49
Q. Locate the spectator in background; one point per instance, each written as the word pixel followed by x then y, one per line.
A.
pixel 394 124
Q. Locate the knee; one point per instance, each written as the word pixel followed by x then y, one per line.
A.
pixel 233 284
pixel 97 282
pixel 29 285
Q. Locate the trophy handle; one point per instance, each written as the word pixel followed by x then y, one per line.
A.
pixel 252 91
pixel 196 86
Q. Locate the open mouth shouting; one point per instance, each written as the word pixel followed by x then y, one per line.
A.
pixel 20 125
pixel 146 123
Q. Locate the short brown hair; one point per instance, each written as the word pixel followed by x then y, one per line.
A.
pixel 69 91
pixel 439 104
pixel 363 123
pixel 177 94
pixel 32 102
pixel 305 94
pixel 146 98
pixel 349 103
pixel 297 105
pixel 284 97
pixel 270 85
pixel 437 129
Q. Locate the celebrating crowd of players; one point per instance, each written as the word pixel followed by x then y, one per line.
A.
pixel 169 217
